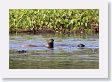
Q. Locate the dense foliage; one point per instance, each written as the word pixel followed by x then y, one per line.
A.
pixel 53 20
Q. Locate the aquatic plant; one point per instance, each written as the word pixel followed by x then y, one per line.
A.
pixel 54 20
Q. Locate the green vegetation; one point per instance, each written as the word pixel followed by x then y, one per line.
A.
pixel 54 20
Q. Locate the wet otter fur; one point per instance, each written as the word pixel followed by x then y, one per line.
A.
pixel 29 46
pixel 80 45
pixel 50 43
pixel 21 51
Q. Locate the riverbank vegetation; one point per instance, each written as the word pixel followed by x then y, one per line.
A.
pixel 54 20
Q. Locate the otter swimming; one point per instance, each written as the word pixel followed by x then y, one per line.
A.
pixel 50 43
pixel 81 45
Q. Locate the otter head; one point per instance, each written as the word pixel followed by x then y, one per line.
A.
pixel 81 45
pixel 50 43
pixel 50 40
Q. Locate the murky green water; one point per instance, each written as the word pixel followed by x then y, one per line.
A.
pixel 65 55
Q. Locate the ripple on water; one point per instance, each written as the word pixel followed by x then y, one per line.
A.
pixel 68 44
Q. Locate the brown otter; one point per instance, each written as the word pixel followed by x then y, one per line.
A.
pixel 30 45
pixel 50 43
pixel 81 45
pixel 21 51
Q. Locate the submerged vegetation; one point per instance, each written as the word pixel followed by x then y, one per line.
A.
pixel 54 20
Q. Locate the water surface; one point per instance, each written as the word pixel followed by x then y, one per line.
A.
pixel 65 55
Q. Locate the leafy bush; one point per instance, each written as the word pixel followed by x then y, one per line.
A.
pixel 56 20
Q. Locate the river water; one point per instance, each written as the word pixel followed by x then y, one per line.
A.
pixel 64 55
